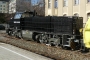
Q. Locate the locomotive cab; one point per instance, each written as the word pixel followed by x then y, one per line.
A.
pixel 13 25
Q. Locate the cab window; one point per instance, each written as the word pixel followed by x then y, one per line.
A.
pixel 17 16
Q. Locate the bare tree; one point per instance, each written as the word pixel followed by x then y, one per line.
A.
pixel 23 6
pixel 40 7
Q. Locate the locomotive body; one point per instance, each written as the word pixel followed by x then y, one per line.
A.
pixel 63 31
pixel 53 30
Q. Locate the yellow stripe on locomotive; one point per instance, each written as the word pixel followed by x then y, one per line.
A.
pixel 86 34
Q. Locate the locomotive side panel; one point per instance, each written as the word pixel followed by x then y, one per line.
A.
pixel 41 24
pixel 54 25
pixel 38 24
pixel 62 25
pixel 67 25
pixel 26 23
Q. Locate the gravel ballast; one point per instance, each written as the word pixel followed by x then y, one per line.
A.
pixel 52 52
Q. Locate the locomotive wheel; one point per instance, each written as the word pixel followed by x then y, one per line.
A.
pixel 54 41
pixel 42 39
pixel 72 45
pixel 9 32
pixel 20 34
pixel 38 38
pixel 34 36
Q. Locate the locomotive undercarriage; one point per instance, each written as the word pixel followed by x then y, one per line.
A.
pixel 14 32
pixel 71 42
pixel 65 41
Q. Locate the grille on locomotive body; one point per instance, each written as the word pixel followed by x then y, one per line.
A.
pixel 53 24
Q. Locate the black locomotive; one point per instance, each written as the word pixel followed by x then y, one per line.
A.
pixel 54 30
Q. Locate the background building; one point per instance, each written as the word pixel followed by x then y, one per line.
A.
pixel 12 6
pixel 4 6
pixel 68 8
pixel 19 5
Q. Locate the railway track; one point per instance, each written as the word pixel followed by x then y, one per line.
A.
pixel 49 51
